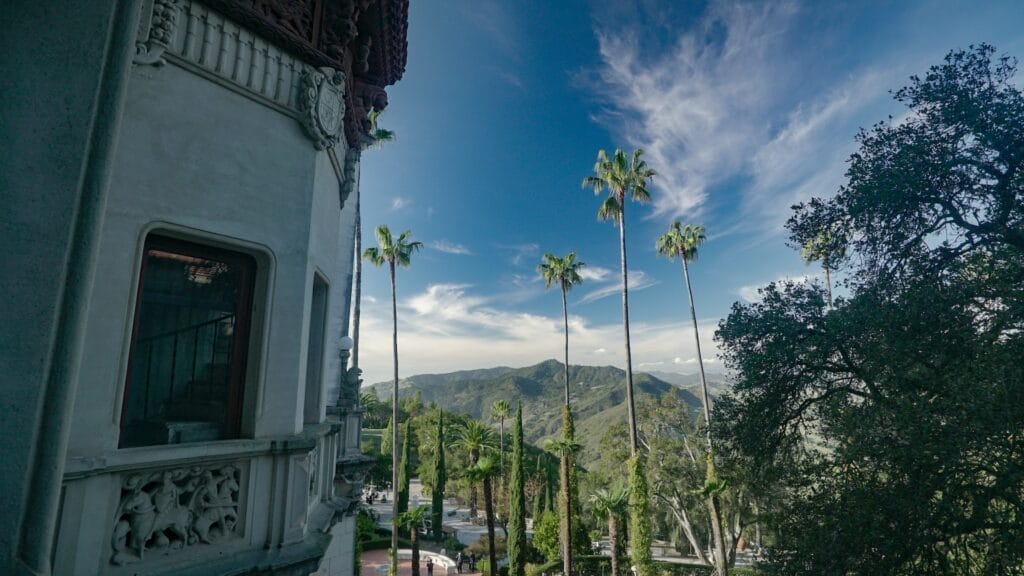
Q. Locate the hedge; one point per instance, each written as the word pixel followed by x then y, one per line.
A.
pixel 601 565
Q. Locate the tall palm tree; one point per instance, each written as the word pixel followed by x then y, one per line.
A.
pixel 622 178
pixel 608 504
pixel 474 438
pixel 626 178
pixel 375 138
pixel 393 252
pixel 565 272
pixel 825 247
pixel 413 520
pixel 499 411
pixel 484 472
pixel 684 242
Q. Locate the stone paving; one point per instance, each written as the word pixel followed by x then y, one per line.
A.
pixel 375 563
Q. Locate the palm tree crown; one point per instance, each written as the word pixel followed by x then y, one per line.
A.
pixel 564 271
pixel 621 177
pixel 682 241
pixel 391 250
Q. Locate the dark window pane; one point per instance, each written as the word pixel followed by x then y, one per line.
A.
pixel 188 347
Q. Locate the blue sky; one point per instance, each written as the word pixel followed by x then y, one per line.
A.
pixel 743 108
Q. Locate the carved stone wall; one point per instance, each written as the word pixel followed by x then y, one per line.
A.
pixel 175 508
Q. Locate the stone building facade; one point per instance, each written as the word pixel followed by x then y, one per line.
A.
pixel 180 181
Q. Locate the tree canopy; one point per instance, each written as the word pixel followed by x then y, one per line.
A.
pixel 893 421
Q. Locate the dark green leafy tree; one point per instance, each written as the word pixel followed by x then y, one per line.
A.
pixel 405 468
pixel 625 178
pixel 893 420
pixel 516 501
pixel 440 478
pixel 393 252
pixel 545 535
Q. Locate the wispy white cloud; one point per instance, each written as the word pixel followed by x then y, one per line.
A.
pixel 400 202
pixel 638 280
pixel 450 247
pixel 520 252
pixel 450 327
pixel 727 105
pixel 595 273
pixel 698 110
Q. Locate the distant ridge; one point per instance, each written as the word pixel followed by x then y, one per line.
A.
pixel 597 394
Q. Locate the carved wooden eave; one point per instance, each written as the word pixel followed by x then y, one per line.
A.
pixel 365 39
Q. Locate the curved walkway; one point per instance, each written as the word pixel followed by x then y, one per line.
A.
pixel 375 563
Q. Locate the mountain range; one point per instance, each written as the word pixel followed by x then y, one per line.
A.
pixel 597 394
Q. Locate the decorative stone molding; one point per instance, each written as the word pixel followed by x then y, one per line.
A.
pixel 349 475
pixel 322 105
pixel 175 508
pixel 350 172
pixel 156 31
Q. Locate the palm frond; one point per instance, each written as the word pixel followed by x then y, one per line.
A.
pixel 610 209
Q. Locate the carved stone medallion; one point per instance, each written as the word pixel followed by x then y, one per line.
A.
pixel 323 105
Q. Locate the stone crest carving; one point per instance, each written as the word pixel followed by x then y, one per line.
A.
pixel 175 508
pixel 156 32
pixel 322 105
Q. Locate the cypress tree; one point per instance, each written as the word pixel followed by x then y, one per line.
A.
pixel 516 504
pixel 547 496
pixel 440 478
pixel 538 502
pixel 385 439
pixel 639 523
pixel 405 469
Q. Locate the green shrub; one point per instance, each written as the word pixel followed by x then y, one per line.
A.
pixel 452 545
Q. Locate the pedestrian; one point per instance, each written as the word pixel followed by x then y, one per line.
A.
pixel 458 561
pixel 472 561
pixel 430 566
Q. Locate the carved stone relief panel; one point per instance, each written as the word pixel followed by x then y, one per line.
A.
pixel 156 31
pixel 176 508
pixel 322 105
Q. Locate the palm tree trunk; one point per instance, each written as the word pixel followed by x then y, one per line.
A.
pixel 565 321
pixel 700 359
pixel 713 508
pixel 414 538
pixel 394 429
pixel 719 538
pixel 630 409
pixel 565 463
pixel 492 558
pixel 474 456
pixel 613 541
pixel 501 449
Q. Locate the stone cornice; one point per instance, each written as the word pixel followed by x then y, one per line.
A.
pixel 365 39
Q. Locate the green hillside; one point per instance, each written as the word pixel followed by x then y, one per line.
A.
pixel 597 394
